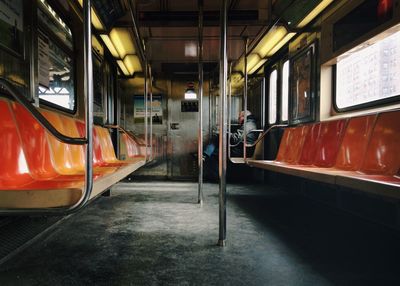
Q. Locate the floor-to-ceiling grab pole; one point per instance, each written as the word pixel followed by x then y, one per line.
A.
pixel 223 70
pixel 88 85
pixel 145 109
pixel 229 108
pixel 200 128
pixel 246 44
pixel 210 111
pixel 151 113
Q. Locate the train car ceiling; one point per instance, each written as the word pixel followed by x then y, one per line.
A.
pixel 299 13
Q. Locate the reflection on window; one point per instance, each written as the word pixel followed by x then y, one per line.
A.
pixel 98 83
pixel 56 82
pixel 285 92
pixel 370 74
pixel 272 97
pixel 49 18
pixel 301 86
pixel 55 65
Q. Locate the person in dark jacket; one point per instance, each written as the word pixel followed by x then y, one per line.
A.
pixel 236 139
pixel 210 153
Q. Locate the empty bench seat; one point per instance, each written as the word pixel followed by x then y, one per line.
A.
pixel 39 171
pixel 360 154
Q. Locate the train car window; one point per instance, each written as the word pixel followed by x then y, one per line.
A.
pixel 55 62
pixel 12 26
pixel 98 90
pixel 272 97
pixel 301 98
pixel 285 92
pixel 369 76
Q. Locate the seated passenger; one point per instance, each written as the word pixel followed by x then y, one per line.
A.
pixel 210 153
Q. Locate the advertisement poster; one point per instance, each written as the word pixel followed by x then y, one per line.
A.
pixel 11 25
pixel 157 114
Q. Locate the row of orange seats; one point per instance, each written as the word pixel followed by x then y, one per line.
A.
pixel 365 148
pixel 34 161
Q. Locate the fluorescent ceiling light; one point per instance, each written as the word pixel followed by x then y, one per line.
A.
pixel 257 66
pixel 274 40
pixel 97 46
pixel 252 61
pixel 270 40
pixel 122 40
pixel 110 45
pixel 281 44
pixel 132 64
pixel 123 67
pixel 95 19
pixel 314 13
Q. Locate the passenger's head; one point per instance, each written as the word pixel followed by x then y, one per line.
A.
pixel 241 116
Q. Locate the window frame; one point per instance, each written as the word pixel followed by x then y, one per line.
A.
pixel 273 68
pixel 362 106
pixel 284 60
pixel 70 52
pixel 313 47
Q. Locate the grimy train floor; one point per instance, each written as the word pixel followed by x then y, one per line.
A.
pixel 154 233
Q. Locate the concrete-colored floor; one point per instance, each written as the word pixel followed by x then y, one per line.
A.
pixel 154 234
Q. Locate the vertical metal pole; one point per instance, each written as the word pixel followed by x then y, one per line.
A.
pixel 151 114
pixel 124 108
pixel 246 43
pixel 229 109
pixel 88 86
pixel 200 128
pixel 223 63
pixel 210 111
pixel 145 108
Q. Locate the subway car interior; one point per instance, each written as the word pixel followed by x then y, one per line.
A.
pixel 199 142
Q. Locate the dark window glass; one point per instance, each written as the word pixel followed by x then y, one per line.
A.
pixel 98 89
pixel 369 15
pixel 301 86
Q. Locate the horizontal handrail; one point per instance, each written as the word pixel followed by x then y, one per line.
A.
pixel 251 131
pixel 265 133
pixel 124 131
pixel 262 136
pixel 38 116
pixel 232 159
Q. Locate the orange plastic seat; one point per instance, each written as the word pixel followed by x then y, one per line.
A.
pixel 329 140
pixel 67 159
pixel 297 143
pixel 99 163
pixel 107 148
pixel 284 146
pixel 44 153
pixel 35 144
pixel 354 144
pixel 14 171
pixel 310 145
pixel 292 144
pixel 383 155
pixel 131 146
